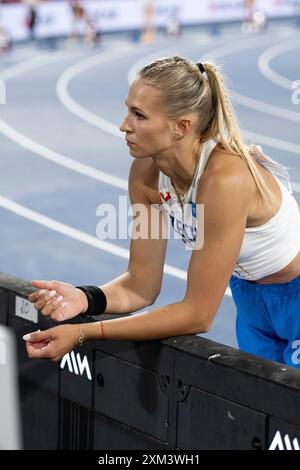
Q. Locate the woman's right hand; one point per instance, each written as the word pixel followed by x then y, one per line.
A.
pixel 58 300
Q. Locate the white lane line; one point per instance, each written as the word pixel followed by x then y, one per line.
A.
pixel 33 63
pixel 86 170
pixel 254 136
pixel 202 39
pixel 82 66
pixel 250 136
pixel 246 100
pixel 78 235
pixel 74 107
pixel 295 187
pixel 265 107
pixel 272 142
pixel 235 46
pixel 60 159
pixel 268 55
pixel 41 150
pixel 100 123
pixel 71 72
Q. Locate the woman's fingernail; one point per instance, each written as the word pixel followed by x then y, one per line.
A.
pixel 59 299
pixel 52 293
pixel 27 337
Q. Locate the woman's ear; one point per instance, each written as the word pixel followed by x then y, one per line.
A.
pixel 183 127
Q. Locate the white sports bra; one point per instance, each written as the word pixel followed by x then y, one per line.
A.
pixel 266 249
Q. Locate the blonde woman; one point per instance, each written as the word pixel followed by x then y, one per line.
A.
pixel 188 153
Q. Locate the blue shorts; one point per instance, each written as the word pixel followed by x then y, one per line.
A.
pixel 268 319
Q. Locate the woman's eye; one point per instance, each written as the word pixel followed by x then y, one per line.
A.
pixel 139 115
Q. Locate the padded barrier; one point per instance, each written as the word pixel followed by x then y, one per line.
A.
pixel 182 393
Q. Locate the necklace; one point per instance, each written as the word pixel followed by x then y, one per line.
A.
pixel 180 197
pixel 181 202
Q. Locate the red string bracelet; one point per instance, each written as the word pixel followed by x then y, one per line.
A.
pixel 102 331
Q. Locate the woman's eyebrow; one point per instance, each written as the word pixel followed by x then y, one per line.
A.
pixel 134 107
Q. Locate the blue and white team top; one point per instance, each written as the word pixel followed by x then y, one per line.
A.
pixel 183 213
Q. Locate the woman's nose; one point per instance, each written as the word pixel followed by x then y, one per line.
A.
pixel 124 126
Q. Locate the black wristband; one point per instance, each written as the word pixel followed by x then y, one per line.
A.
pixel 96 300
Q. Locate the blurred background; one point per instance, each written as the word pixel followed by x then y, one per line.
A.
pixel 65 68
pixel 23 19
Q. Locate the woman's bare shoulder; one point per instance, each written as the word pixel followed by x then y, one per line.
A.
pixel 144 173
pixel 227 169
pixel 228 163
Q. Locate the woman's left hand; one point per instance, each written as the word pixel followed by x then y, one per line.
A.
pixel 53 343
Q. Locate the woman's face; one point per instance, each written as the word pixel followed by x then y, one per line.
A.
pixel 149 131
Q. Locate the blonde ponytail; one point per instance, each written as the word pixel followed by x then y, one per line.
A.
pixel 224 124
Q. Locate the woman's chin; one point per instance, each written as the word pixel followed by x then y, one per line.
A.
pixel 136 154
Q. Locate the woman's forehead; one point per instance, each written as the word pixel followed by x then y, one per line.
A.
pixel 142 95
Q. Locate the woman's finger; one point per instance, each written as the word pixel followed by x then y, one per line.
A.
pixel 51 285
pixel 52 305
pixel 57 357
pixel 35 295
pixel 59 313
pixel 45 351
pixel 40 344
pixel 44 299
pixel 38 336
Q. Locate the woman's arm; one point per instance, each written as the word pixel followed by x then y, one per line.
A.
pixel 140 285
pixel 226 198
